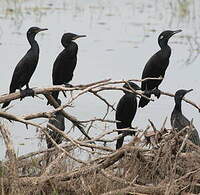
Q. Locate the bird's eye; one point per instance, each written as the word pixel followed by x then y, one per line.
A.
pixel 161 37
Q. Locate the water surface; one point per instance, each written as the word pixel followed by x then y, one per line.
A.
pixel 121 37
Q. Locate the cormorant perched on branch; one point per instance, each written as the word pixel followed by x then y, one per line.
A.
pixel 59 122
pixel 126 109
pixel 26 66
pixel 65 62
pixel 179 121
pixel 156 67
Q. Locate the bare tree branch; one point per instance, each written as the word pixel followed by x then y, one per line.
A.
pixel 10 153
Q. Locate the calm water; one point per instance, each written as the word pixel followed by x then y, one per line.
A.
pixel 121 36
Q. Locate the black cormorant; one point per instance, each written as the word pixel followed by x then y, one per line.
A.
pixel 156 67
pixel 179 121
pixel 125 112
pixel 59 122
pixel 26 66
pixel 65 62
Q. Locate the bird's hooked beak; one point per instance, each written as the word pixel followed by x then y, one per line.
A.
pixel 176 31
pixel 41 29
pixel 78 36
pixel 187 91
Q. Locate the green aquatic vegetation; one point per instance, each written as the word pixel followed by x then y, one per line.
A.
pixel 184 7
pixel 20 8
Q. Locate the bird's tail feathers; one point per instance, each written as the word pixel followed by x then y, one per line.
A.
pixel 143 101
pixel 55 96
pixel 119 142
pixel 194 137
pixel 12 90
pixel 6 104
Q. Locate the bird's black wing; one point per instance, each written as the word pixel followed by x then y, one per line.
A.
pixel 23 71
pixel 179 121
pixel 57 68
pixel 153 69
pixel 64 65
pixel 63 69
pixel 126 110
pixel 194 137
pixel 125 113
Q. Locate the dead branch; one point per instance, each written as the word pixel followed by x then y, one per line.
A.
pixel 95 87
pixel 62 149
pixel 53 164
pixel 12 161
pixel 66 115
pixel 10 151
pixel 78 143
pixel 103 99
pixel 48 90
pixel 138 189
pixel 186 100
pixel 103 170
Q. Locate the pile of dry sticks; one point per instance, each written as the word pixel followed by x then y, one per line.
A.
pixel 152 163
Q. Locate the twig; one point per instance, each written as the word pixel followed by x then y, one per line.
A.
pixel 78 143
pixel 99 84
pixel 53 164
pixel 153 126
pixel 137 190
pixel 48 90
pixel 163 126
pixel 103 99
pixel 62 149
pixel 66 115
pixel 186 100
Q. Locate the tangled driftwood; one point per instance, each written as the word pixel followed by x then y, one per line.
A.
pixel 153 163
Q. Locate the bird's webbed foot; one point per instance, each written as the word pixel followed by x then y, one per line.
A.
pixel 156 92
pixel 26 92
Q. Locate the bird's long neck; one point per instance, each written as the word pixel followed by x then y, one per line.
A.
pixel 33 43
pixel 163 43
pixel 165 48
pixel 178 105
pixel 71 48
